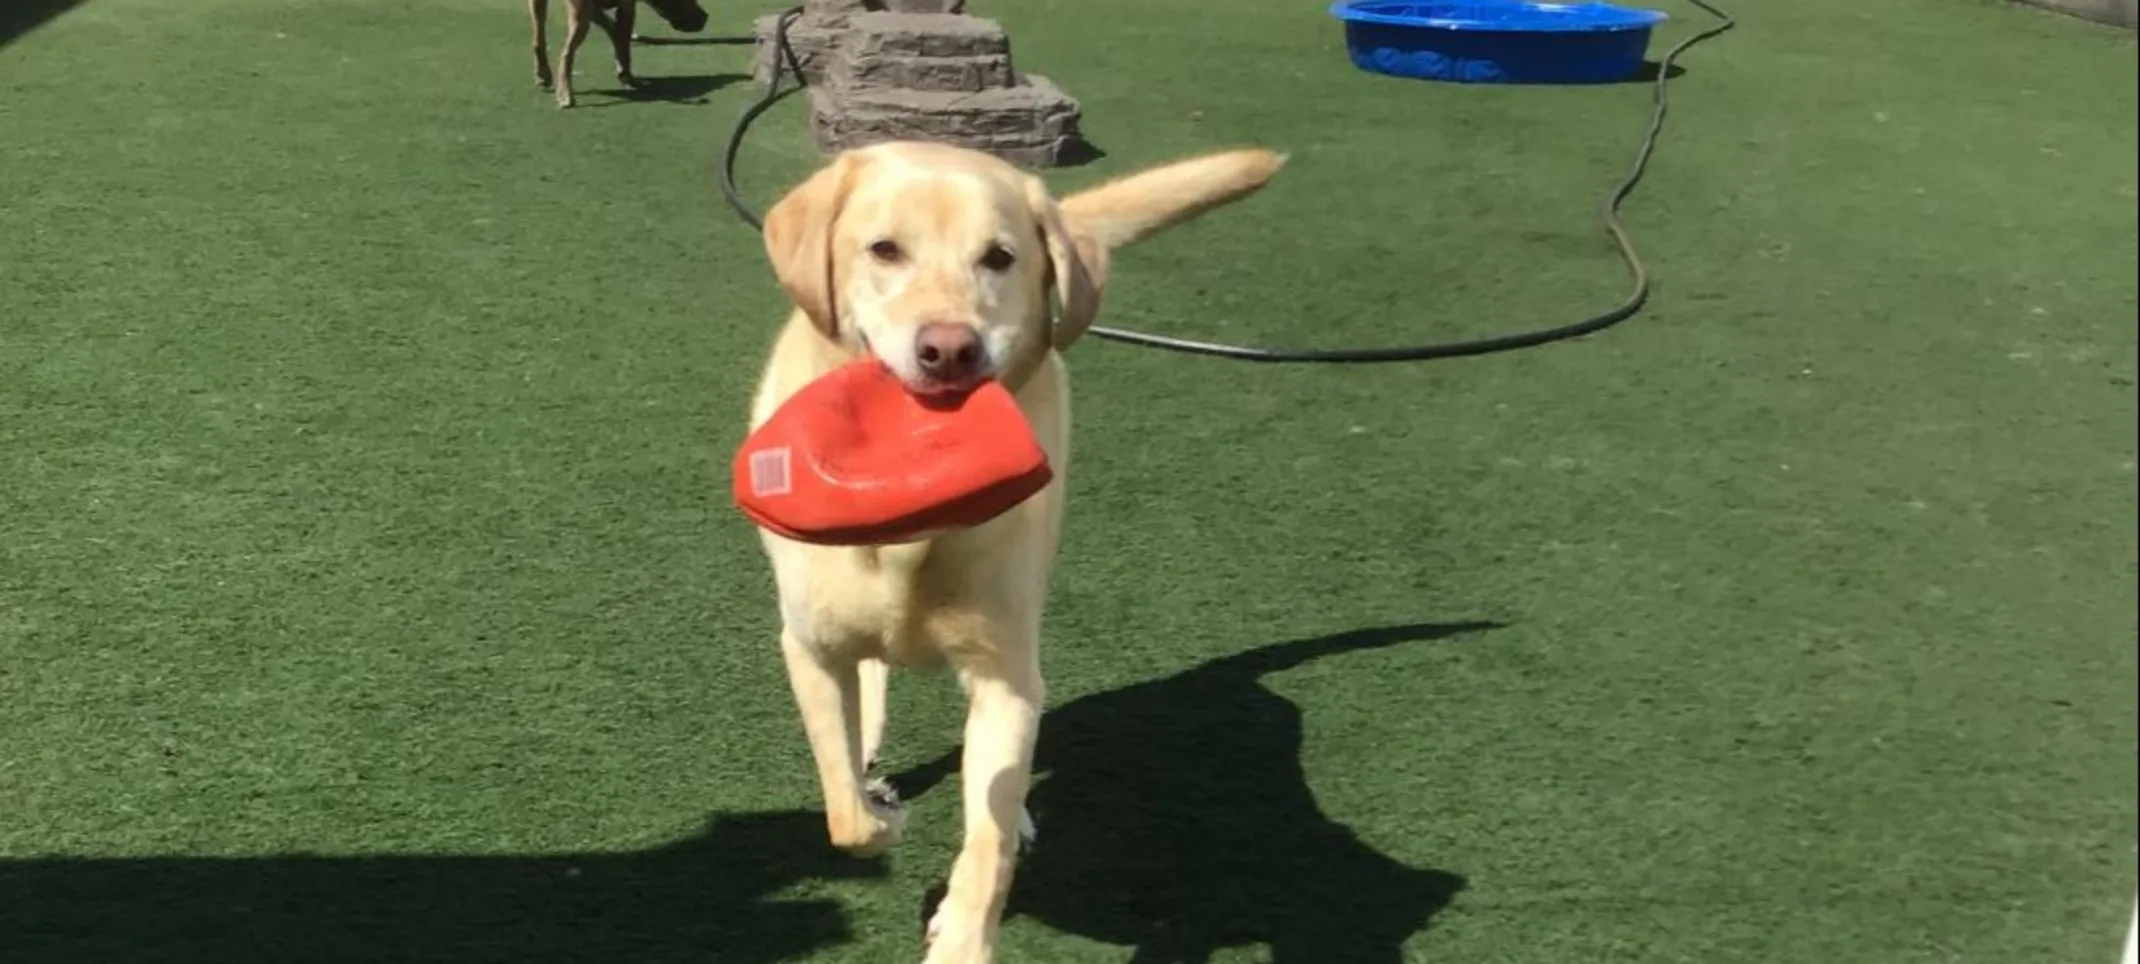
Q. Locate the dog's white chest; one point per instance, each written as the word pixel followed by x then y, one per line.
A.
pixel 861 601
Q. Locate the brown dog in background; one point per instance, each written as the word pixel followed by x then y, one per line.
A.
pixel 950 267
pixel 685 16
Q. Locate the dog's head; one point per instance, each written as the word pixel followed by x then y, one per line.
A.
pixel 684 15
pixel 953 267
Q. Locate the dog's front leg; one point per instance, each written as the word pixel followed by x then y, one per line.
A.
pixel 539 16
pixel 576 24
pixel 1005 695
pixel 828 692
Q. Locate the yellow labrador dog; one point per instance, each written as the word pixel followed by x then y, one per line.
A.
pixel 950 267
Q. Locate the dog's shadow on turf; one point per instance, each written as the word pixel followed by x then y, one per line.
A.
pixel 19 17
pixel 674 89
pixel 1175 817
pixel 707 898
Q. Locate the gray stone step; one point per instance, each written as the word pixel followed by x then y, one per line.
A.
pixel 1036 106
pixel 922 6
pixel 875 38
pixel 836 11
pixel 852 68
pixel 1032 124
pixel 925 35
pixel 814 43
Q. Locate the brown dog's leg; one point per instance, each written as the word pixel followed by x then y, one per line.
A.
pixel 620 40
pixel 828 692
pixel 575 34
pixel 539 14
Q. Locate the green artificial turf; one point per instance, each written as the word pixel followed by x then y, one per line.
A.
pixel 369 589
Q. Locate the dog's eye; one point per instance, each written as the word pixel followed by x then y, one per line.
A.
pixel 886 251
pixel 998 258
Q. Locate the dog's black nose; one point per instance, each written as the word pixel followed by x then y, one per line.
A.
pixel 948 353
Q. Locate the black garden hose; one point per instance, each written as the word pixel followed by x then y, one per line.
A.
pixel 1609 210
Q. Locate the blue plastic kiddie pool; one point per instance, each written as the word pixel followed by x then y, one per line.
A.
pixel 1497 41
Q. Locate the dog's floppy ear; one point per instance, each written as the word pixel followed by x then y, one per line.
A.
pixel 798 239
pixel 1077 264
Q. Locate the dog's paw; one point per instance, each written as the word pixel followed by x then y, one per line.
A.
pixel 1028 833
pixel 955 936
pixel 881 824
pixel 565 99
pixel 629 79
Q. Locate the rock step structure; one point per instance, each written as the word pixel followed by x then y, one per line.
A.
pixel 924 72
pixel 922 51
pixel 812 42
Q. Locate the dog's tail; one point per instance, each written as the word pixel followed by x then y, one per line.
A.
pixel 1129 209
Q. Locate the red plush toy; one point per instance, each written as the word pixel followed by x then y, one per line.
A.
pixel 853 458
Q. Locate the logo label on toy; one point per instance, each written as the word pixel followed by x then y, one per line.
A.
pixel 769 472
